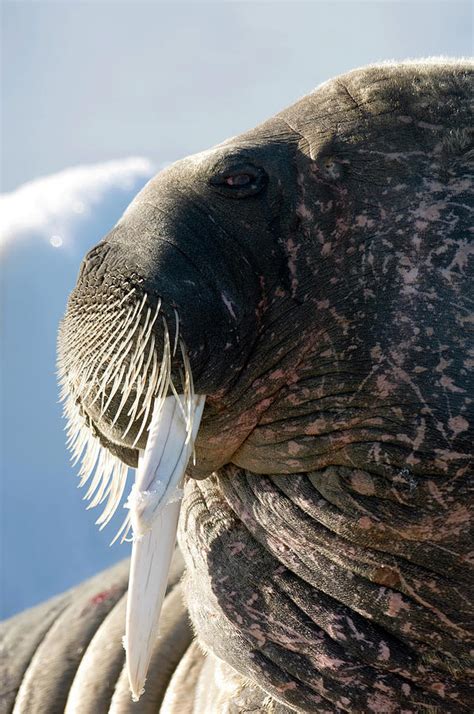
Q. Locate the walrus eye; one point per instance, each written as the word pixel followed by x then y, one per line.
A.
pixel 239 182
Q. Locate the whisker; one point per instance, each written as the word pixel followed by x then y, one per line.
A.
pixel 108 348
pixel 120 356
pixel 162 381
pixel 75 326
pixel 113 391
pixel 100 357
pixel 133 409
pixel 147 402
pixel 141 347
pixel 176 334
pixel 101 476
pixel 130 381
pixel 133 412
pixel 106 316
pixel 124 362
pixel 124 529
pixel 118 485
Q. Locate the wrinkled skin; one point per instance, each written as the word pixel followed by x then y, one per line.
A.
pixel 326 319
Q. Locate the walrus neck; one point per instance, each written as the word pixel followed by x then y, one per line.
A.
pixel 292 583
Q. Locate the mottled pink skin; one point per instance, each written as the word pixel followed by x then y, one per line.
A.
pixel 358 397
pixel 281 585
pixel 378 336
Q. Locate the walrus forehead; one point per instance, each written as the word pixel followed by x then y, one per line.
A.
pixel 419 91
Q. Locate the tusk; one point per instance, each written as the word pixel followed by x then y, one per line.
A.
pixel 154 504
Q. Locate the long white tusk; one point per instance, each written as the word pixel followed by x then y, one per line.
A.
pixel 154 504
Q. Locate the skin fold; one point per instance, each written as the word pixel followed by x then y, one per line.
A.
pixel 319 268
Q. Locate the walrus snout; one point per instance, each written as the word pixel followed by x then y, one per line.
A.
pixel 123 325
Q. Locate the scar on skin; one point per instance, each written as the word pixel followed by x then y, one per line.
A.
pixel 458 424
pixel 396 604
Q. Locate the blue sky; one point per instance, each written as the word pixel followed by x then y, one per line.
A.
pixel 91 82
pixel 86 82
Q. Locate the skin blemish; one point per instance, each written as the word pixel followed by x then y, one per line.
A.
pixel 304 212
pixel 102 596
pixel 292 251
pixel 362 483
pixel 228 303
pixel 396 604
pixel 386 576
pixel 236 548
pixel 458 424
pixel 439 688
pixel 294 448
pixel 449 385
pixel 256 631
pixel 377 703
pixel 436 493
pixel 277 374
pixel 384 386
pixel 409 276
pixel 430 212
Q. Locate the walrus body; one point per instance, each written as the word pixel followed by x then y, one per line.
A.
pixel 66 655
pixel 317 269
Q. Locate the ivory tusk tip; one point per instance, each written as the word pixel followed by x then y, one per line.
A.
pixel 137 681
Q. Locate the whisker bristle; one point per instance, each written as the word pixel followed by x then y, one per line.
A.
pixel 95 364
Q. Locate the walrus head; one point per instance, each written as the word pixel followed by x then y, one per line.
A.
pixel 308 280
pixel 193 262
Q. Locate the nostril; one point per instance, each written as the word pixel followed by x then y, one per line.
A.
pixel 95 261
pixel 98 252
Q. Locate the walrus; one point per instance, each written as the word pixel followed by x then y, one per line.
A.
pixel 297 298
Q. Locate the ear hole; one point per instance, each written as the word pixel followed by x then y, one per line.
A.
pixel 331 168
